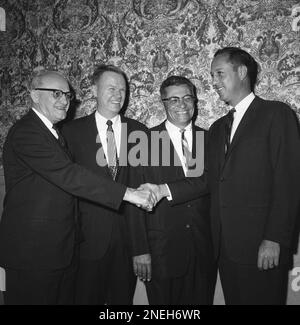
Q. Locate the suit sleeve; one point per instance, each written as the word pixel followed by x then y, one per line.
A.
pixel 136 218
pixel 285 160
pixel 191 188
pixel 49 161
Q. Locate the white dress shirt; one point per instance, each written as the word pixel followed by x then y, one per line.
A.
pixel 175 136
pixel 102 128
pixel 241 109
pixel 48 124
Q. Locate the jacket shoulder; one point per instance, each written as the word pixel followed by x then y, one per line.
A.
pixel 76 123
pixel 24 124
pixel 134 124
pixel 159 127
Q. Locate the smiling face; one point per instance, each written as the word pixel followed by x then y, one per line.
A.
pixel 110 91
pixel 53 109
pixel 181 114
pixel 228 80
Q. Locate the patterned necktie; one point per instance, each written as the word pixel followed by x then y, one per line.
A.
pixel 185 149
pixel 112 156
pixel 228 127
pixel 60 138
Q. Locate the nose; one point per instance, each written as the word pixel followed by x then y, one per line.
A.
pixel 182 103
pixel 64 100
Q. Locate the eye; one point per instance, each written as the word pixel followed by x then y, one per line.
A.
pixel 174 101
pixel 57 94
pixel 188 99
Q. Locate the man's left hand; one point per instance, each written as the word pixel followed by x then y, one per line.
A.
pixel 142 267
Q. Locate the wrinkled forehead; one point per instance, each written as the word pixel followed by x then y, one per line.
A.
pixel 55 81
pixel 177 90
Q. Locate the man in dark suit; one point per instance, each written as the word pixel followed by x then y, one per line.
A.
pixel 179 236
pixel 253 177
pixel 114 242
pixel 38 226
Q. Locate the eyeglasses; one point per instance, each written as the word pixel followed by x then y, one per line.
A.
pixel 175 101
pixel 57 94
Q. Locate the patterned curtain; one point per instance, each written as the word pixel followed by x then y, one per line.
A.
pixel 149 40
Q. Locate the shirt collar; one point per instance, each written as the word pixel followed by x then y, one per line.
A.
pixel 244 103
pixel 44 119
pixel 116 120
pixel 175 128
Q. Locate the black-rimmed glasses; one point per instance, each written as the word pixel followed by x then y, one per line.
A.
pixel 175 101
pixel 57 93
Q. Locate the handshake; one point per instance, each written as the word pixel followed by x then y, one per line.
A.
pixel 147 195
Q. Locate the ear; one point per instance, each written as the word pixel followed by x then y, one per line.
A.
pixel 34 96
pixel 242 70
pixel 94 91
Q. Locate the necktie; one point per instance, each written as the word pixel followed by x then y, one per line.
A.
pixel 228 126
pixel 112 156
pixel 60 139
pixel 185 149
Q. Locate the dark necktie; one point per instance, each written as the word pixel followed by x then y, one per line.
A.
pixel 185 149
pixel 60 139
pixel 112 157
pixel 228 126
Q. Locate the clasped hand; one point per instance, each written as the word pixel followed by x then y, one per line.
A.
pixel 146 196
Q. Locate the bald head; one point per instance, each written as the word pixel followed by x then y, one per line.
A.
pixel 48 93
pixel 44 76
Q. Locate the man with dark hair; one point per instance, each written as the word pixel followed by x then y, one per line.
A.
pixel 179 236
pixel 253 177
pixel 114 247
pixel 38 225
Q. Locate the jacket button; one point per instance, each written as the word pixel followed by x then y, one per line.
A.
pixel 188 205
pixel 187 226
pixel 222 179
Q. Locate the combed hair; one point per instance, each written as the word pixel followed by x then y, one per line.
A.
pixel 176 81
pixel 239 57
pixel 100 69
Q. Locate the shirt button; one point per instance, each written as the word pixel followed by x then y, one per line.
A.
pixel 188 205
pixel 187 226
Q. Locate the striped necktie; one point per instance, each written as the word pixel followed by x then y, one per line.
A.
pixel 112 157
pixel 185 149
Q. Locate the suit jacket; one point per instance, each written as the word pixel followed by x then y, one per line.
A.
pixel 255 190
pixel 97 221
pixel 37 229
pixel 177 233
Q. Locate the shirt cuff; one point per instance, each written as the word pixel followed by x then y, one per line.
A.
pixel 169 197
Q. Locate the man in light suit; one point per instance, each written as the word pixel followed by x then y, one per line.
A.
pixel 114 246
pixel 253 177
pixel 183 271
pixel 38 227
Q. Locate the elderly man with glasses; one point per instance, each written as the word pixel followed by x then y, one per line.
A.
pixel 38 229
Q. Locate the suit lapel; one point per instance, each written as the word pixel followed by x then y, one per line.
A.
pixel 47 132
pixel 221 144
pixel 123 157
pixel 242 127
pixel 174 158
pixel 94 138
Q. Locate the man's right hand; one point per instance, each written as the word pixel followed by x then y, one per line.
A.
pixel 160 191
